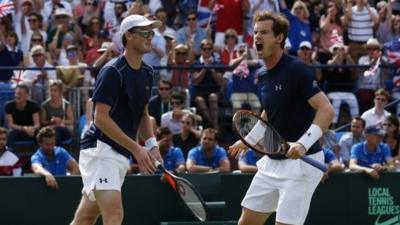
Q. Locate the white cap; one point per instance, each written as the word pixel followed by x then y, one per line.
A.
pixel 137 21
pixel 306 44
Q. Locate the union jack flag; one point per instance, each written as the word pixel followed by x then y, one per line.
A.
pixel 6 7
pixel 17 77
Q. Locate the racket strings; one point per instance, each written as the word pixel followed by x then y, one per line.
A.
pixel 191 199
pixel 271 141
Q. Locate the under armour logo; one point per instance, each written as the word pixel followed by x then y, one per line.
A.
pixel 309 134
pixel 278 87
pixel 103 180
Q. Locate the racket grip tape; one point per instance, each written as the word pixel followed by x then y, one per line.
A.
pixel 315 163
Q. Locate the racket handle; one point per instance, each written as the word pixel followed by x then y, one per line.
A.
pixel 315 163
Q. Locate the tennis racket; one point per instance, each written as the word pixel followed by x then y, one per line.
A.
pixel 188 193
pixel 271 143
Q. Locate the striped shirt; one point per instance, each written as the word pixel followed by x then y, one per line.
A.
pixel 361 24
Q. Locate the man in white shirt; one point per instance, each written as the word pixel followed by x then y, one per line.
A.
pixel 377 114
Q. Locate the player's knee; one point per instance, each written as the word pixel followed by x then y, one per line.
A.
pixel 113 216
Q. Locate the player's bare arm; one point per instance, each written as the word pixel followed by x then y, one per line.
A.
pixel 323 118
pixel 146 132
pixel 104 122
pixel 239 147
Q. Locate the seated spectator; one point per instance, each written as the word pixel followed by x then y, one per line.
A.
pixel 206 84
pixel 56 112
pixel 331 30
pixel 189 135
pixel 392 137
pixel 9 162
pixel 372 155
pixel 173 157
pixel 208 157
pixel 22 116
pixel 160 103
pixel 359 20
pixel 299 29
pixel 377 114
pixel 334 166
pixel 247 161
pixel 172 119
pixel 349 139
pixel 244 78
pixel 340 82
pixel 51 160
pixel 373 77
pixel 191 34
pixel 181 55
pixel 39 79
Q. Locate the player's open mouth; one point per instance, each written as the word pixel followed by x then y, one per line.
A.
pixel 259 47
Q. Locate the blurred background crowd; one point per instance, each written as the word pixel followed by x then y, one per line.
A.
pixel 206 69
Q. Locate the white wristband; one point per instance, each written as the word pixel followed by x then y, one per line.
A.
pixel 312 135
pixel 256 134
pixel 151 143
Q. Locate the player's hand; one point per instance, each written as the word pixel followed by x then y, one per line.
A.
pixel 145 162
pixel 237 148
pixel 155 154
pixel 295 151
pixel 51 181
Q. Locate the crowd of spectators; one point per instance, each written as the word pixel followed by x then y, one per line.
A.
pixel 220 70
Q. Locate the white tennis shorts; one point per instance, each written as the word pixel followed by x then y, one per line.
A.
pixel 285 186
pixel 102 168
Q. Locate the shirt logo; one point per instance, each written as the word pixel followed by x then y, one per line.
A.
pixel 101 180
pixel 314 84
pixel 278 87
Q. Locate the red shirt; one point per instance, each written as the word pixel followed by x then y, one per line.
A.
pixel 230 16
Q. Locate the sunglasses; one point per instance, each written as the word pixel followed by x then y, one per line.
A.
pixel 192 18
pixel 144 33
pixel 381 99
pixel 32 20
pixel 37 40
pixel 206 49
pixel 36 55
pixel 387 124
pixel 175 103
pixel 230 36
pixel 186 122
pixel 164 88
pixel 307 49
pixel 181 53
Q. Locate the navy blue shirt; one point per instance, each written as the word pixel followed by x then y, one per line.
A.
pixel 285 91
pixel 127 91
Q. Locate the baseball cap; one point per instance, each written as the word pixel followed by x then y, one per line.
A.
pixel 375 129
pixel 104 46
pixel 306 44
pixel 38 49
pixel 137 21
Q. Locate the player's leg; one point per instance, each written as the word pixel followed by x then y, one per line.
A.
pixel 250 217
pixel 296 192
pixel 110 204
pixel 86 213
pixel 260 201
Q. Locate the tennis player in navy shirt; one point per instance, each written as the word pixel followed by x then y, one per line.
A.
pixel 293 103
pixel 121 94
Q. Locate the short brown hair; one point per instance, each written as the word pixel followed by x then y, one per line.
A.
pixel 45 132
pixel 383 92
pixel 280 25
pixel 3 130
pixel 211 131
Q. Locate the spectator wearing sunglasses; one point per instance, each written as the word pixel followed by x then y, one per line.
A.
pixel 206 84
pixel 189 135
pixel 191 34
pixel 160 103
pixel 377 114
